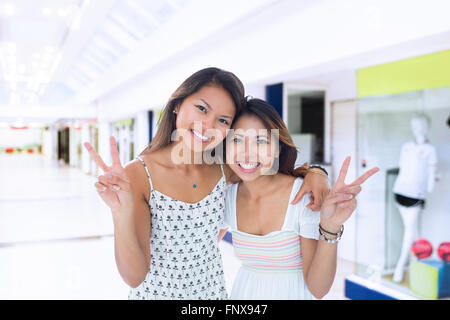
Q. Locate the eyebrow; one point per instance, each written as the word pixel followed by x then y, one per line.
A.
pixel 207 104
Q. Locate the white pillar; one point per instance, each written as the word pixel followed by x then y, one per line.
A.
pixel 141 128
pixel 104 132
pixel 72 145
pixel 54 134
pixel 47 143
pixel 85 157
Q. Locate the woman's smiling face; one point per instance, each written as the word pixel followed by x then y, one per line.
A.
pixel 204 117
pixel 251 148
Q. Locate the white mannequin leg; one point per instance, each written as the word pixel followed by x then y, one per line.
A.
pixel 410 219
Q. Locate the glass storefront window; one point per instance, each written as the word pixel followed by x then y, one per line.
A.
pixel 384 126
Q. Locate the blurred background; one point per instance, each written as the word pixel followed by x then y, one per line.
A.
pixel 345 75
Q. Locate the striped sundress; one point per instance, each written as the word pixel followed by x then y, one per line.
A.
pixel 272 264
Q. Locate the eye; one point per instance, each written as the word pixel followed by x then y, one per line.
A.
pixel 223 121
pixel 236 139
pixel 261 141
pixel 201 108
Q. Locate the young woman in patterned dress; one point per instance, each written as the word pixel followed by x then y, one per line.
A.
pixel 276 241
pixel 168 208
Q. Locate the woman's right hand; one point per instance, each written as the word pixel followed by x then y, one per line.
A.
pixel 113 186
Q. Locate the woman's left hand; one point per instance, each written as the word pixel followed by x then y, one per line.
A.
pixel 340 202
pixel 318 186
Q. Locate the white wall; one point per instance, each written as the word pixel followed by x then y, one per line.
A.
pixel 19 138
pixel 295 113
pixel 141 132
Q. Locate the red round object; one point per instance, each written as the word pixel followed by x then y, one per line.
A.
pixel 444 251
pixel 422 248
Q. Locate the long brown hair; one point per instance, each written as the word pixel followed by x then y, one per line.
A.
pixel 272 120
pixel 208 76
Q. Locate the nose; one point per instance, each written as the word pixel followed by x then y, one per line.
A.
pixel 247 150
pixel 251 150
pixel 208 122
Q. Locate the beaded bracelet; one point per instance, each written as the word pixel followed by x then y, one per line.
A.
pixel 318 171
pixel 315 166
pixel 333 234
pixel 334 240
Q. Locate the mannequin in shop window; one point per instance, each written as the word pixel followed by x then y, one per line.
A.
pixel 417 176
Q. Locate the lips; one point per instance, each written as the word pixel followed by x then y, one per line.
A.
pixel 248 167
pixel 200 137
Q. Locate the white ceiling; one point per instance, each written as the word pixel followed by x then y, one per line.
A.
pixel 54 52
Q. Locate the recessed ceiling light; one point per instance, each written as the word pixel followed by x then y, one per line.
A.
pixel 46 57
pixel 11 48
pixel 62 12
pixel 9 9
pixel 13 98
pixel 49 49
pixel 22 68
pixel 47 11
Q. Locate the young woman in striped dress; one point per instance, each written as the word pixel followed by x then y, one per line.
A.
pixel 167 207
pixel 276 241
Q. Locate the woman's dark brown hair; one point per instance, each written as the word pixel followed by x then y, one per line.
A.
pixel 272 120
pixel 208 76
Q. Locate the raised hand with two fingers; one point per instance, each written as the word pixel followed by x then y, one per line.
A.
pixel 113 186
pixel 340 202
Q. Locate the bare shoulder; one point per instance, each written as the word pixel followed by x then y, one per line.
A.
pixel 153 160
pixel 230 176
pixel 135 171
pixel 285 182
pixel 134 168
pixel 285 178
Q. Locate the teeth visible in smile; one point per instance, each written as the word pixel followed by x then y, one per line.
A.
pixel 248 166
pixel 200 136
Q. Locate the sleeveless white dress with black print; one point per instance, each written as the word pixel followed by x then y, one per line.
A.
pixel 185 260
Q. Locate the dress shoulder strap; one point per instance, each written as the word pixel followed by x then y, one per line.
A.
pixel 223 173
pixel 146 170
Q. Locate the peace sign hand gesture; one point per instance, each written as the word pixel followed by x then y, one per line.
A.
pixel 114 186
pixel 340 202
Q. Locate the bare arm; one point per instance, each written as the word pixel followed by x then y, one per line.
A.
pixel 132 235
pixel 319 265
pixel 319 257
pixel 121 189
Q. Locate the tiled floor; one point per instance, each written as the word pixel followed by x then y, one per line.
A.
pixel 56 236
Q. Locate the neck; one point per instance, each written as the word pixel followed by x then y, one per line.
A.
pixel 183 158
pixel 259 187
